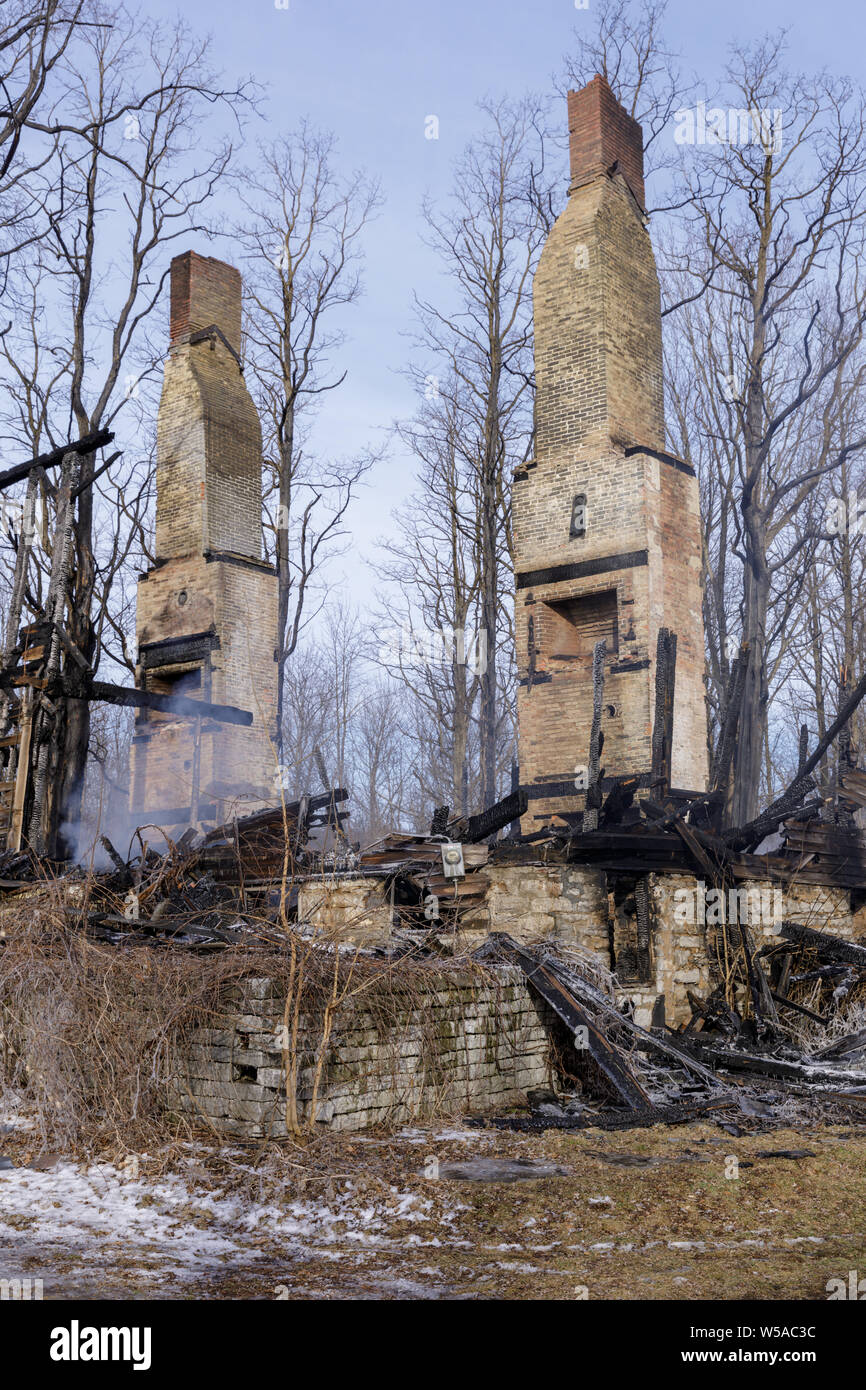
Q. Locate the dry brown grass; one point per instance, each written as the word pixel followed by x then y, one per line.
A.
pixel 91 1031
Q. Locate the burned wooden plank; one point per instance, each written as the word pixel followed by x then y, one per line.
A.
pixel 848 1046
pixel 496 817
pixel 574 1016
pixel 167 704
pixel 473 886
pixel 800 1009
pixel 638 1037
pixel 88 445
pixel 807 1071
pixel 827 945
pixel 596 740
pixel 663 724
pixel 693 844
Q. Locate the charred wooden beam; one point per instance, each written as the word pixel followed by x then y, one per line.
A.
pixel 514 827
pixel 768 821
pixel 803 749
pixel 845 758
pixel 496 817
pixel 88 445
pixel 117 860
pixel 720 780
pixel 802 783
pixel 596 740
pixel 565 1006
pixel 273 817
pixel 618 800
pixel 320 767
pixel 842 1047
pixel 831 947
pixel 805 1071
pixel 800 1009
pixel 167 704
pixel 663 724
pixel 643 915
pixel 71 649
pixel 695 844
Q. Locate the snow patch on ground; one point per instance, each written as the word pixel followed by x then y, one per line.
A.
pixel 95 1219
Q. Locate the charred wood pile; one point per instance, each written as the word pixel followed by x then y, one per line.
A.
pixel 617 1074
pixel 212 888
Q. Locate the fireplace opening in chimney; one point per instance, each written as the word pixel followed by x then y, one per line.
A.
pixel 574 625
pixel 185 680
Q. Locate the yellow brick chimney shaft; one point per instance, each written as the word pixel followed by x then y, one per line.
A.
pixel 606 522
pixel 207 611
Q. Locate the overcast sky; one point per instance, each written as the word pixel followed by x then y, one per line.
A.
pixel 372 71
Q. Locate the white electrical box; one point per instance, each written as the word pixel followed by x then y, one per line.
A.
pixel 452 860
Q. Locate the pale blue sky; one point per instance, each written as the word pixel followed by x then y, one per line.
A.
pixel 372 70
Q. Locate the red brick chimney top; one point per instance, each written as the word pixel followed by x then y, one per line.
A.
pixel 205 292
pixel 602 134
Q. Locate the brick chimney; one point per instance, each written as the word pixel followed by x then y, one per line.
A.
pixel 602 134
pixel 206 619
pixel 606 522
pixel 205 293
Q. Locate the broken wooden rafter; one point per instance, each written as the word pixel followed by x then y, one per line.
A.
pixel 827 945
pixel 258 825
pixel 770 819
pixel 767 821
pixel 663 724
pixel 596 740
pixel 578 1021
pixel 471 829
pixel 167 704
pixel 88 445
pixel 800 1009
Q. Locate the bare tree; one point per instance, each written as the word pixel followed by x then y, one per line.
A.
pixel 488 238
pixel 301 232
pixel 428 628
pixel 344 725
pixel 774 237
pixel 125 117
pixel 34 36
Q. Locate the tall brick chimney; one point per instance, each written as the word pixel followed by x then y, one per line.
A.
pixel 207 610
pixel 607 535
pixel 205 293
pixel 603 137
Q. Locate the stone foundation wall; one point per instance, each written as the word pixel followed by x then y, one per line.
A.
pixel 456 1043
pixel 344 906
pixel 569 903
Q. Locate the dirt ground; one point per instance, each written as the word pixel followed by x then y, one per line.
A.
pixel 685 1213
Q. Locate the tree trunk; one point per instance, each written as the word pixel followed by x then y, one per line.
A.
pixel 284 579
pixel 490 574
